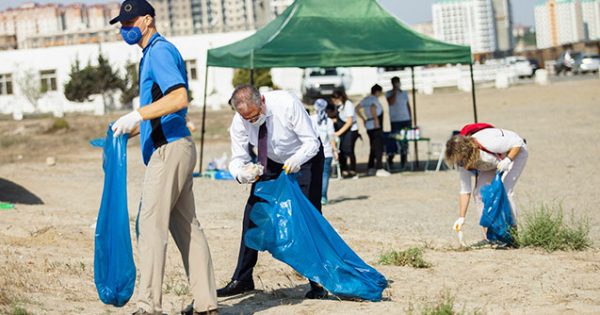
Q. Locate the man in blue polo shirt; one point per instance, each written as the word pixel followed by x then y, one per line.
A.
pixel 170 156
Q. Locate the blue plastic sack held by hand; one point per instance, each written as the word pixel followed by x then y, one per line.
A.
pixel 114 269
pixel 294 232
pixel 496 216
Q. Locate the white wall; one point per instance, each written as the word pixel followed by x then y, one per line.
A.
pixel 17 62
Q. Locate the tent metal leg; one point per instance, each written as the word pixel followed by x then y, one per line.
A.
pixel 203 129
pixel 473 92
pixel 252 77
pixel 414 99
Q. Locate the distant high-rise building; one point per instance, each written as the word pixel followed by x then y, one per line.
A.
pixel 278 6
pixel 466 22
pixel 184 17
pixel 558 22
pixel 33 25
pixel 504 25
pixel 590 10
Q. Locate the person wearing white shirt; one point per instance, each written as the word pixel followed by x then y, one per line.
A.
pixel 373 115
pixel 400 119
pixel 323 126
pixel 482 154
pixel 347 133
pixel 279 127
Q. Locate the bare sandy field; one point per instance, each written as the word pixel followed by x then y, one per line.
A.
pixel 46 249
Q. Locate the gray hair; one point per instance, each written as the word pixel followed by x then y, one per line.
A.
pixel 244 95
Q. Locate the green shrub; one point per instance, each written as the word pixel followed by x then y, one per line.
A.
pixel 17 310
pixel 59 124
pixel 546 228
pixel 445 306
pixel 411 257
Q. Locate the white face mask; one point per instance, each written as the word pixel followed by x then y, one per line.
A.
pixel 259 121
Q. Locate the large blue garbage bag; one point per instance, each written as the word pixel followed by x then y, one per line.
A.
pixel 114 270
pixel 496 216
pixel 294 232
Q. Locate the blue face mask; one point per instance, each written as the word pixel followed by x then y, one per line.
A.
pixel 131 34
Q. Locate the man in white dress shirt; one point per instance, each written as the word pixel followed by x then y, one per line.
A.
pixel 277 124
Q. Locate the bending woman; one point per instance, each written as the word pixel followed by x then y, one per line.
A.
pixel 481 155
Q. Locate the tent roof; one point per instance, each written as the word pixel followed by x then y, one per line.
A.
pixel 317 33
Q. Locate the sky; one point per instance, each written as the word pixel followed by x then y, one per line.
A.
pixel 409 11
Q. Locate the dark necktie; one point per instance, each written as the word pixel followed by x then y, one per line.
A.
pixel 262 145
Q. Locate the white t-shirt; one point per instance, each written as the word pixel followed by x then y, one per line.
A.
pixel 326 133
pixel 366 104
pixel 496 140
pixel 346 111
pixel 399 109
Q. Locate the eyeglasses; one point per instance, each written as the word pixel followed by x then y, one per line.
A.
pixel 255 117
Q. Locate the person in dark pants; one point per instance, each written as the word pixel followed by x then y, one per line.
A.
pixel 347 131
pixel 400 119
pixel 373 115
pixel 277 124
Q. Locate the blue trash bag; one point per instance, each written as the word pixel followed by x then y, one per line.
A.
pixel 98 142
pixel 294 232
pixel 496 216
pixel 114 269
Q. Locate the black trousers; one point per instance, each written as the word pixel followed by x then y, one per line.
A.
pixel 310 179
pixel 347 143
pixel 376 153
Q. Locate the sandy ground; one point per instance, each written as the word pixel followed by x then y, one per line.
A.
pixel 46 250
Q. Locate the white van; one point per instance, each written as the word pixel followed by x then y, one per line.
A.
pixel 321 82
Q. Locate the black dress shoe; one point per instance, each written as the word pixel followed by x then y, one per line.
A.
pixel 235 287
pixel 316 293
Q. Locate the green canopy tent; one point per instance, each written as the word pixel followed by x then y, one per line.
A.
pixel 336 33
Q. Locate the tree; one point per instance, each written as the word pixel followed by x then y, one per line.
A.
pixel 131 84
pixel 262 77
pixel 29 84
pixel 100 79
pixel 82 83
pixel 108 80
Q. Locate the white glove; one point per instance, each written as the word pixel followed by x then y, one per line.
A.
pixel 504 165
pixel 250 173
pixel 458 224
pixel 292 165
pixel 126 123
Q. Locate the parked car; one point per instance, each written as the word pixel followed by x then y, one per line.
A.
pixel 520 65
pixel 586 63
pixel 321 82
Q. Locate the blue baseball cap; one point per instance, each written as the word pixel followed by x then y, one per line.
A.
pixel 130 9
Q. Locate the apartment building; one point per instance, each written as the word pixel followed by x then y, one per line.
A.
pixel 559 22
pixel 590 10
pixel 466 22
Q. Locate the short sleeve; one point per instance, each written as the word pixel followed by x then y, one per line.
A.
pixel 164 67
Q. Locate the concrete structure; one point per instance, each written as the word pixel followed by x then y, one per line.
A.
pixel 590 10
pixel 278 6
pixel 34 25
pixel 558 22
pixel 504 25
pixel 186 17
pixel 466 22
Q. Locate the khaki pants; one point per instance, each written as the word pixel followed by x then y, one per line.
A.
pixel 168 205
